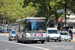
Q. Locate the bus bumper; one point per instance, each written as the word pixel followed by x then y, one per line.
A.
pixel 36 38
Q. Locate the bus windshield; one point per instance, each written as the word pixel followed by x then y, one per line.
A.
pixel 36 25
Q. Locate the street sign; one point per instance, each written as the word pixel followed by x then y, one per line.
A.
pixel 61 10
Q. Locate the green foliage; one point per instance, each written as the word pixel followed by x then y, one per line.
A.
pixel 12 9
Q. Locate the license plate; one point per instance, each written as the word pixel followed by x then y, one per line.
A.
pixel 54 38
pixel 36 39
pixel 12 38
pixel 66 38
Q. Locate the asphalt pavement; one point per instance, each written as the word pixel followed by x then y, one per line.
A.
pixel 13 45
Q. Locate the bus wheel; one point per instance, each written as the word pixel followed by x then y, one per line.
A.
pixel 55 40
pixel 42 41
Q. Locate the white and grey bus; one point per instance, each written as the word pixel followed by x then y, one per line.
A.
pixel 31 29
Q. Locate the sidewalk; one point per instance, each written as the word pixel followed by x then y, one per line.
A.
pixel 73 37
pixel 72 40
pixel 4 34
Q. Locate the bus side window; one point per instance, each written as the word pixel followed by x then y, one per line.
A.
pixel 25 27
pixel 19 28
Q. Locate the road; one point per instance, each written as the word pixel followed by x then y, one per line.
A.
pixel 13 45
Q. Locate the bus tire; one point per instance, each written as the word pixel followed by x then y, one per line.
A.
pixel 55 40
pixel 42 41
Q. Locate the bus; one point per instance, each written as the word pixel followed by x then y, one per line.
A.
pixel 31 29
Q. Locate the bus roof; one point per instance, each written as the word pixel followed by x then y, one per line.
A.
pixel 22 20
pixel 35 18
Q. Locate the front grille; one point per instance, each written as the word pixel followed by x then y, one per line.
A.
pixel 13 37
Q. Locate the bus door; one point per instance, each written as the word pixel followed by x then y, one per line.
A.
pixel 17 30
pixel 21 30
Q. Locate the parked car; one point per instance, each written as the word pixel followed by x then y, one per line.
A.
pixel 9 30
pixel 65 36
pixel 12 35
pixel 53 34
pixel 5 31
pixel 1 30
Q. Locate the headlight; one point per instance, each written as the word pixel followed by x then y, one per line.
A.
pixel 44 35
pixel 27 35
pixel 69 37
pixel 62 36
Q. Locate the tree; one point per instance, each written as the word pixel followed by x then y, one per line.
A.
pixel 12 9
pixel 46 7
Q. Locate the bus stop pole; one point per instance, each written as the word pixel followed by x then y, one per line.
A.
pixel 65 14
pixel 65 18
